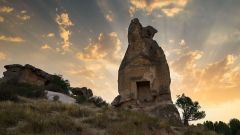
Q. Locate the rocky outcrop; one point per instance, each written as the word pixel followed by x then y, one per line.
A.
pixel 84 91
pixel 29 74
pixel 143 76
pixel 25 74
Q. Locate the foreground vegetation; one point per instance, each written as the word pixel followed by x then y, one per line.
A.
pixel 11 91
pixel 231 128
pixel 42 117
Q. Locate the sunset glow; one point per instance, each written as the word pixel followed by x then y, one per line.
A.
pixel 85 41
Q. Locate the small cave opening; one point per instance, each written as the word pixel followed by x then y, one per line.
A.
pixel 143 91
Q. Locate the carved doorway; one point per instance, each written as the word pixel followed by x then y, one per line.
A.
pixel 143 91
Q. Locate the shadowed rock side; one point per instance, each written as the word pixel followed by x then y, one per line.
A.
pixel 144 77
pixel 29 74
pixel 26 74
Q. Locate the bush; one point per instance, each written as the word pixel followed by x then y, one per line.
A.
pixel 56 98
pixel 98 101
pixel 235 126
pixel 222 128
pixel 10 91
pixel 209 125
pixel 8 95
pixel 58 84
pixel 81 99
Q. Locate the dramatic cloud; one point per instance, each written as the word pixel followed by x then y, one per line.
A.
pixel 218 80
pixel 168 7
pixel 109 17
pixel 23 17
pixel 6 9
pixel 50 35
pixel 23 12
pixel 107 47
pixel 45 47
pixel 64 23
pixel 11 39
pixel 3 56
pixel 89 71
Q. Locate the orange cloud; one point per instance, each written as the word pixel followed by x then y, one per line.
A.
pixel 218 81
pixel 107 47
pixel 45 47
pixel 64 23
pixel 168 7
pixel 50 35
pixel 90 71
pixel 11 39
pixel 6 9
pixel 23 17
pixel 96 75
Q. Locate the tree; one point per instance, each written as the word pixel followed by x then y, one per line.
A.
pixel 209 125
pixel 222 128
pixel 190 109
pixel 234 126
pixel 98 101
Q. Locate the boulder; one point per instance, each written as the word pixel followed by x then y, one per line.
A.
pixel 84 91
pixel 117 101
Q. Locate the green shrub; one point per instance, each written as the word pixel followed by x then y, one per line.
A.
pixel 222 128
pixel 58 84
pixel 81 99
pixel 209 125
pixel 8 95
pixel 98 102
pixel 10 91
pixel 235 126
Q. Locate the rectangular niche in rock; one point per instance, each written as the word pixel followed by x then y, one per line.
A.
pixel 143 91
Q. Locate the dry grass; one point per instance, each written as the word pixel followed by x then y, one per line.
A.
pixel 120 122
pixel 40 117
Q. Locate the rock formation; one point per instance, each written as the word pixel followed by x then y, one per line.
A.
pixel 26 74
pixel 144 77
pixel 84 91
pixel 29 74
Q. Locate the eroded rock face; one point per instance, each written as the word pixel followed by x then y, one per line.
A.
pixel 144 77
pixel 29 74
pixel 25 74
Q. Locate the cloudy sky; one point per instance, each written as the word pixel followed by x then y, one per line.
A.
pixel 86 40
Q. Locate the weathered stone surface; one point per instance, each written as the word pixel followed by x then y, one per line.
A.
pixel 25 74
pixel 116 101
pixel 144 77
pixel 84 91
pixel 29 74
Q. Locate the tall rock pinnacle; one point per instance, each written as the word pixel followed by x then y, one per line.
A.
pixel 144 77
